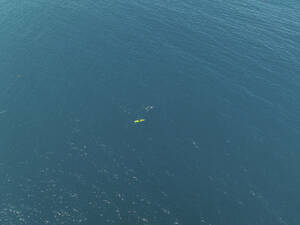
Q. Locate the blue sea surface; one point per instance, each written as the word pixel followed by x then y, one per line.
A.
pixel 217 82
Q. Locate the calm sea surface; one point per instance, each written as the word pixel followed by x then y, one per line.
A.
pixel 217 82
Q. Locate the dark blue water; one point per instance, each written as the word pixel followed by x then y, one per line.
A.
pixel 219 144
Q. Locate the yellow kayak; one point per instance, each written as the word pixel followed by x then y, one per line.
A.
pixel 139 120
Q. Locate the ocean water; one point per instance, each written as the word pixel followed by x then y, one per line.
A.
pixel 217 82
